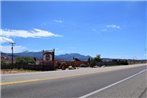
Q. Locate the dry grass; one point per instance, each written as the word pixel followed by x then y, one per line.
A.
pixel 14 71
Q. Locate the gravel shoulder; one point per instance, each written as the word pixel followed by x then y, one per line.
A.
pixel 15 71
pixel 87 69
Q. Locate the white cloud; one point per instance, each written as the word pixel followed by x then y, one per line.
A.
pixel 104 30
pixel 110 27
pixel 94 30
pixel 5 39
pixel 7 49
pixel 113 26
pixel 36 33
pixel 58 21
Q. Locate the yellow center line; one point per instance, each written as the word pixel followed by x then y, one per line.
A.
pixel 42 79
pixel 21 81
pixel 36 80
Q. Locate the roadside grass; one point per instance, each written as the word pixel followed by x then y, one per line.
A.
pixel 15 71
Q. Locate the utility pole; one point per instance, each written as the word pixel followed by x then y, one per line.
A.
pixel 53 54
pixel 12 44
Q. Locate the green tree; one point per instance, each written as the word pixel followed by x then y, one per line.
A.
pixel 95 60
pixel 25 60
pixel 3 62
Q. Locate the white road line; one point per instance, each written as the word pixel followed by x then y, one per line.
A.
pixel 99 90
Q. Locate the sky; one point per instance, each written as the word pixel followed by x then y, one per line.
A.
pixel 113 29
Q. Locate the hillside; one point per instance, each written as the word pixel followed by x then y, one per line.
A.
pixel 67 57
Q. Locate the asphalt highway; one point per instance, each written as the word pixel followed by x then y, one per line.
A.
pixel 43 85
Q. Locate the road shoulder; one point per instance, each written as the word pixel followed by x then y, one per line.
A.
pixel 132 88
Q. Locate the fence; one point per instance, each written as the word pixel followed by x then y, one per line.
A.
pixel 29 67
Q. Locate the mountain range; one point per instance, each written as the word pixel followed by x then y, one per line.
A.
pixel 66 57
pixel 38 55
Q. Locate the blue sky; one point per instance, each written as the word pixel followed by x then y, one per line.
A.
pixel 111 29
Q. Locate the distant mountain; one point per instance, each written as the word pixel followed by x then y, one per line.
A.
pixel 29 54
pixel 70 56
pixel 66 57
pixel 5 54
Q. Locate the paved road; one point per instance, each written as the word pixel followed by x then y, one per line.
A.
pixel 74 86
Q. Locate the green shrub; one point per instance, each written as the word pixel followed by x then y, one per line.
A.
pixel 120 62
pixel 25 60
pixel 95 60
pixel 3 62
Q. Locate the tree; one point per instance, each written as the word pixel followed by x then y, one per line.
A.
pixel 98 58
pixel 25 60
pixel 95 60
pixel 3 62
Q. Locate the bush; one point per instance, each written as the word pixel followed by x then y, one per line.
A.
pixel 25 60
pixel 84 65
pixel 95 60
pixel 120 62
pixel 3 63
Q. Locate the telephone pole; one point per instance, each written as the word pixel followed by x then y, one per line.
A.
pixel 12 44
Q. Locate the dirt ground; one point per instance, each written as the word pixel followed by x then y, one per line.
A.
pixel 14 71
